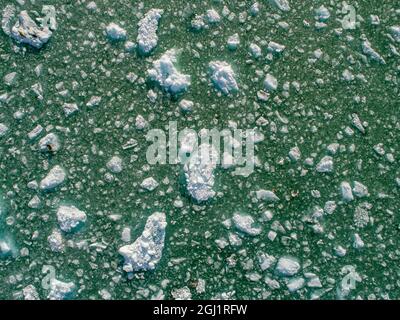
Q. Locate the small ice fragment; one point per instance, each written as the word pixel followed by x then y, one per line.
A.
pixel 233 41
pixel 345 189
pixel 212 16
pixel 325 165
pixel 270 83
pixel 371 53
pixel 149 184
pixel 115 164
pixel 281 4
pixel 70 218
pixel 266 195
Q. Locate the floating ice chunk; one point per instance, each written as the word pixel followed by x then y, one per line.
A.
pixel 145 253
pixel 325 165
pixel 245 223
pixel 147 33
pixel 70 108
pixel 255 51
pixel 115 32
pixel 115 164
pixel 199 172
pixel 322 13
pixel 10 78
pixel 345 189
pixel 27 31
pixel 149 184
pixel 347 75
pixel 212 16
pixel 255 9
pixel 357 241
pixel 49 19
pixel 266 261
pixel 233 41
pixel 54 178
pixel 295 284
pixel 140 122
pixel 92 6
pixel 198 23
pixel 223 76
pixel 313 280
pixel 295 154
pixel 360 190
pixel 395 30
pixel 275 47
pixel 371 53
pixel 361 216
pixel 56 241
pixel 266 195
pixel 35 132
pixel 167 75
pixel 94 101
pixel 5 248
pixel 270 83
pixel 281 4
pixel 340 251
pixel 8 15
pixel 287 266
pixel 30 293
pixel 3 129
pixel 34 203
pixel 60 290
pixel 70 218
pixel 186 105
pixel 182 294
pixel 330 207
pixel 49 143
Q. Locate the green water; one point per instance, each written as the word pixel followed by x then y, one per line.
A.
pixel 312 118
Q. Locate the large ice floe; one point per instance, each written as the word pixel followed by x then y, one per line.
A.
pixel 145 253
pixel 165 73
pixel 147 33
pixel 26 30
pixel 223 76
pixel 199 172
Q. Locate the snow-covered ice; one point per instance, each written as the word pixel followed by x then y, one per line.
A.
pixel 325 165
pixel 147 32
pixel 54 178
pixel 166 74
pixel 115 32
pixel 27 31
pixel 145 253
pixel 199 172
pixel 115 164
pixel 245 223
pixel 287 266
pixel 270 82
pixel 49 143
pixel 60 290
pixel 223 76
pixel 70 218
